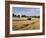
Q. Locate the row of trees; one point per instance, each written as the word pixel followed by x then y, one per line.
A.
pixel 25 16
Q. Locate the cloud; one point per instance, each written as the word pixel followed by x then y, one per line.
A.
pixel 26 11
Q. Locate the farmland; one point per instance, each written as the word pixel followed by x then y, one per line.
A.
pixel 24 24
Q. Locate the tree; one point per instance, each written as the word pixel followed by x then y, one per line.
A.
pixel 13 15
pixel 18 16
pixel 23 15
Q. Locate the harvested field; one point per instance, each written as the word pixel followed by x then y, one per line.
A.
pixel 24 24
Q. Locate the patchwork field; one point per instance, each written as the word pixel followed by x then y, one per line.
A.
pixel 24 24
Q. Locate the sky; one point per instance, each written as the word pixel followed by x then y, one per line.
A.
pixel 26 11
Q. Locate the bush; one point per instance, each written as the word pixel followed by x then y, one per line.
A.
pixel 28 18
pixel 18 16
pixel 23 15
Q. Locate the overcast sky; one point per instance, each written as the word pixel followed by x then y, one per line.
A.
pixel 26 11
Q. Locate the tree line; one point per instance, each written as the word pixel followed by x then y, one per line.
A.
pixel 25 16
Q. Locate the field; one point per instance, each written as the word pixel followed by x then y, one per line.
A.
pixel 24 24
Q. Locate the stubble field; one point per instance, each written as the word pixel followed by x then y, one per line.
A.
pixel 24 24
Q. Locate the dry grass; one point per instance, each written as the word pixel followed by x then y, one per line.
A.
pixel 24 24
